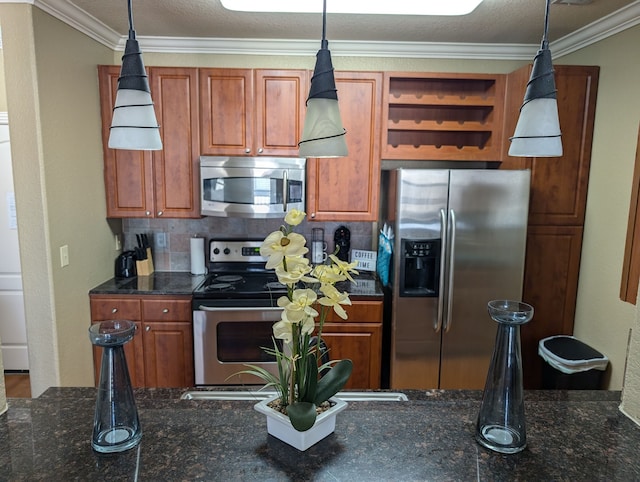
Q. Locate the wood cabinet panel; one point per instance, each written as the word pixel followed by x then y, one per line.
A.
pixel 361 343
pixel 359 338
pixel 550 286
pixel 226 111
pixel 177 191
pixel 251 112
pixel 115 309
pixel 280 97
pixel 559 184
pixel 166 310
pixel 161 351
pixel 168 354
pixel 128 175
pixel 155 183
pixel 346 189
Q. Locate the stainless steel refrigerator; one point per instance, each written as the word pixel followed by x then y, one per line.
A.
pixel 460 238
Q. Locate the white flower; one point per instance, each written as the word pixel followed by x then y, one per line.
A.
pixel 300 304
pixel 294 217
pixel 343 267
pixel 334 298
pixel 276 246
pixel 297 270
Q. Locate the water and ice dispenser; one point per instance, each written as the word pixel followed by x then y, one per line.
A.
pixel 419 267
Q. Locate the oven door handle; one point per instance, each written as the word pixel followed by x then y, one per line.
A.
pixel 236 308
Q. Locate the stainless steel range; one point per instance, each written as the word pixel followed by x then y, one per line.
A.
pixel 233 313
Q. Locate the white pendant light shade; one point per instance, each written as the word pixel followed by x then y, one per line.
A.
pixel 537 133
pixel 323 129
pixel 134 125
pixel 323 134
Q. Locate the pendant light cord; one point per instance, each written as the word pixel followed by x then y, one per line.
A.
pixel 132 32
pixel 324 44
pixel 545 41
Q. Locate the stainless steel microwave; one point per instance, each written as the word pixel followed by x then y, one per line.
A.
pixel 251 187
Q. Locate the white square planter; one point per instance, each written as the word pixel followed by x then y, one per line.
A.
pixel 280 426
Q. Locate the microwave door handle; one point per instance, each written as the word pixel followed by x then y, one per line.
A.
pixel 285 189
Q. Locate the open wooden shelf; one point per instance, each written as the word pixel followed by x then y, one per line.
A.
pixel 443 116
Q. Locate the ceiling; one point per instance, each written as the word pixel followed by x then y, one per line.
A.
pixel 498 29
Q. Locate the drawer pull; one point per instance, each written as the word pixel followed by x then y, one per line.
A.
pixel 115 310
pixel 166 310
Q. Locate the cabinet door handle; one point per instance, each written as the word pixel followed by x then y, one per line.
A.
pixel 148 213
pixel 166 310
pixel 160 213
pixel 313 215
pixel 115 310
pixel 247 150
pixel 147 328
pixel 260 150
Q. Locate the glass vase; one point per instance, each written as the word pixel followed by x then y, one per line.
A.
pixel 501 423
pixel 116 426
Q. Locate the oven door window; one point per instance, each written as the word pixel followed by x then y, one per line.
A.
pixel 242 341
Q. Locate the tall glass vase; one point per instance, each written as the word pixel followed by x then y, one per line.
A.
pixel 116 426
pixel 501 422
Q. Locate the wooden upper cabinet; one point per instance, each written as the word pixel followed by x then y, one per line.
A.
pixel 443 117
pixel 177 186
pixel 155 183
pixel 247 112
pixel 128 175
pixel 346 188
pixel 559 184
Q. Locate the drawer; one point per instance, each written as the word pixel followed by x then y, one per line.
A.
pixel 166 310
pixel 359 312
pixel 115 309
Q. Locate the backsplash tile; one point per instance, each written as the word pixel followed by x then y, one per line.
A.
pixel 171 236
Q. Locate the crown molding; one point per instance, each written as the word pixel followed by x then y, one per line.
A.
pixel 616 22
pixel 612 24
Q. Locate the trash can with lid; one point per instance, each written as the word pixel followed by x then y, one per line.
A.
pixel 571 364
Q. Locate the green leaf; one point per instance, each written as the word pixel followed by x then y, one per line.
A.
pixel 333 381
pixel 310 379
pixel 302 415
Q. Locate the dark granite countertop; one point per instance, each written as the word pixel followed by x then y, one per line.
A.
pixel 181 283
pixel 572 435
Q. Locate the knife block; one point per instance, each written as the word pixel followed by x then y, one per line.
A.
pixel 144 267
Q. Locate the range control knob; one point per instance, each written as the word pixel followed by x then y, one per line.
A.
pixel 216 251
pixel 227 251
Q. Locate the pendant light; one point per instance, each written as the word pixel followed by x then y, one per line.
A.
pixel 323 134
pixel 537 132
pixel 134 125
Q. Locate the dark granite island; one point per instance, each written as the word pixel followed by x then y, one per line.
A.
pixel 572 436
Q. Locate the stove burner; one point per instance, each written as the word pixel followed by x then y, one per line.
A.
pixel 228 278
pixel 219 287
pixel 275 285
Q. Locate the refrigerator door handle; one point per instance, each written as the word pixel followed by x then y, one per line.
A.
pixel 441 284
pixel 452 254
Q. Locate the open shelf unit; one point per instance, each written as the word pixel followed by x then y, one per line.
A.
pixel 443 116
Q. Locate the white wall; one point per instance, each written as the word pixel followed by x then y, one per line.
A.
pixel 602 319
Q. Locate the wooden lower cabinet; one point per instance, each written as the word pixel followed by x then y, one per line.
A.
pixel 550 286
pixel 161 351
pixel 358 338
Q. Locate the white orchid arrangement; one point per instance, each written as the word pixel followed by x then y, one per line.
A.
pixel 298 383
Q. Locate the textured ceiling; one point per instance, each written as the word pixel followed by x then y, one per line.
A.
pixel 497 22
